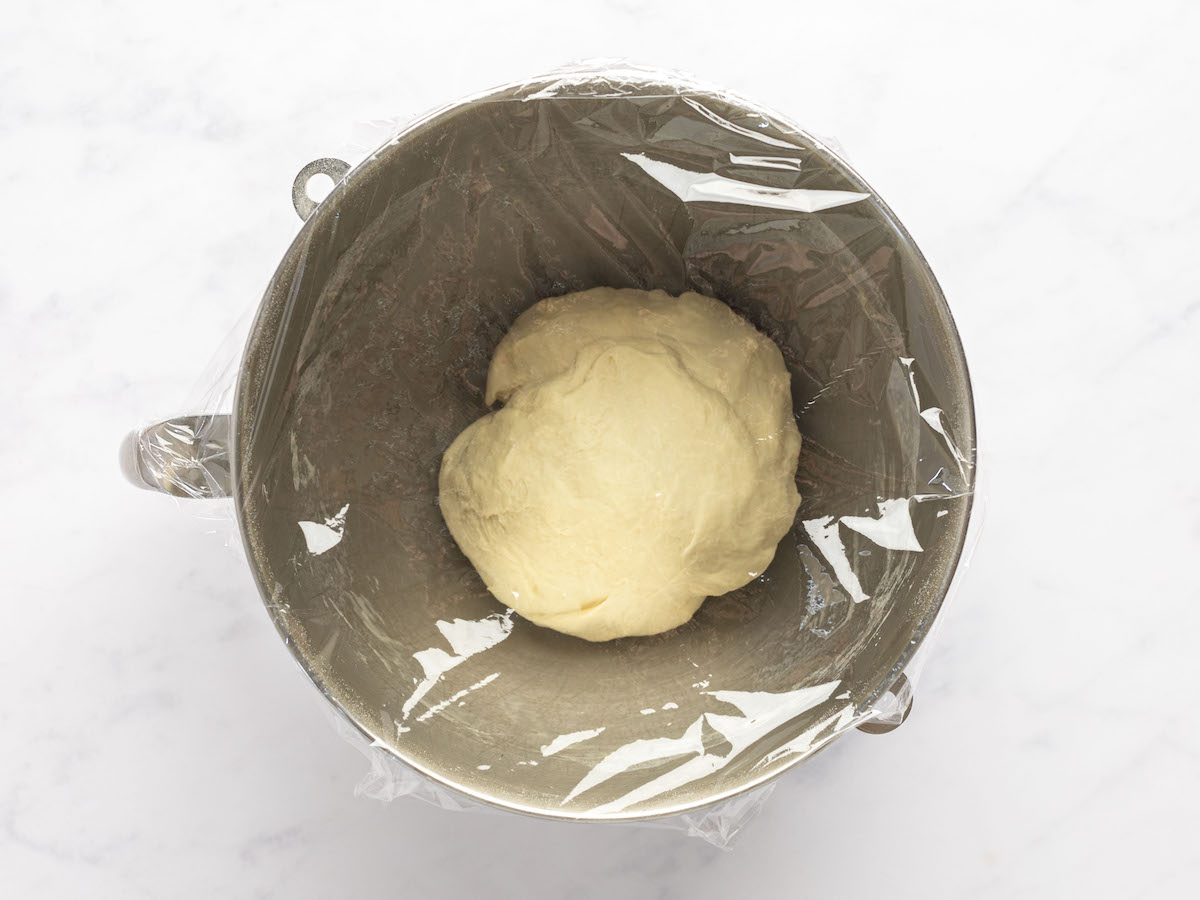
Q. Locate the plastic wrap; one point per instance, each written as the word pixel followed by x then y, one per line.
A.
pixel 369 355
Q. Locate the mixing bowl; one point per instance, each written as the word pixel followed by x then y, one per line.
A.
pixel 369 355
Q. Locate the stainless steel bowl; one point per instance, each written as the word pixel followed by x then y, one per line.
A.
pixel 369 356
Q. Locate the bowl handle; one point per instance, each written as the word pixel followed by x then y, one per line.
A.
pixel 185 457
pixel 892 708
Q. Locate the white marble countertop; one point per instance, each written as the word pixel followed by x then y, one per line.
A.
pixel 156 739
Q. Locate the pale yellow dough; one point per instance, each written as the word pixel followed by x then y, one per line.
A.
pixel 644 459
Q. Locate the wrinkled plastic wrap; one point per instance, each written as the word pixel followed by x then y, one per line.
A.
pixel 369 355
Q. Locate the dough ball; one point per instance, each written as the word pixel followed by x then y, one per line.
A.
pixel 644 459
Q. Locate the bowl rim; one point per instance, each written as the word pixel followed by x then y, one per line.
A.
pixel 674 85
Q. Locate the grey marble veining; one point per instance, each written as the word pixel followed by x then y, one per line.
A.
pixel 155 737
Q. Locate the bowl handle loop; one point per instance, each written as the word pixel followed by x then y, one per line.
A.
pixel 305 204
